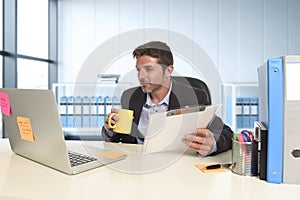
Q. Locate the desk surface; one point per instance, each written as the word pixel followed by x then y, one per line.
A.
pixel 130 179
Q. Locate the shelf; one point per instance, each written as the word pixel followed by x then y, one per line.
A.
pixel 83 107
pixel 241 105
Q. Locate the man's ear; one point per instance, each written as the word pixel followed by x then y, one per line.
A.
pixel 170 69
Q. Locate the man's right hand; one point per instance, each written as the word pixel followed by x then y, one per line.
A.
pixel 113 120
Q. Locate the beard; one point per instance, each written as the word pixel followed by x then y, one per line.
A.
pixel 150 87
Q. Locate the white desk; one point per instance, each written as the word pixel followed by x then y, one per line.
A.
pixel 180 179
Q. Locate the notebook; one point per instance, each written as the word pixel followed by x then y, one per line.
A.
pixel 166 130
pixel 34 130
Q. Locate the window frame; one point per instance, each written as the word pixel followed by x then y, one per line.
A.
pixel 9 50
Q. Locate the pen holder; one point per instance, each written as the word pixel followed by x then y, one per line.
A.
pixel 245 158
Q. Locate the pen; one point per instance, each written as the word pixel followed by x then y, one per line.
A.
pixel 218 166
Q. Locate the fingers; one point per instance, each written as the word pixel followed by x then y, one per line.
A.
pixel 202 142
pixel 113 120
pixel 203 132
pixel 114 110
pixel 194 138
pixel 191 144
pixel 202 137
pixel 203 149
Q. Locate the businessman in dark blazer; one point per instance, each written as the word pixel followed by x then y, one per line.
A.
pixel 158 92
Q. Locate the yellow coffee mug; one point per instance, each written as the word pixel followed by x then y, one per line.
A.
pixel 124 123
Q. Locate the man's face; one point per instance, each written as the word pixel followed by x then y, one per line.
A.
pixel 151 75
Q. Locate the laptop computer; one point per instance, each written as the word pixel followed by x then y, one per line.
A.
pixel 34 130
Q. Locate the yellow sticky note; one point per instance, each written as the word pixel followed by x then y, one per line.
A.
pixel 25 129
pixel 202 167
pixel 110 154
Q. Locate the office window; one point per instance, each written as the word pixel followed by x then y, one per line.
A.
pixel 30 51
pixel 32 74
pixel 32 26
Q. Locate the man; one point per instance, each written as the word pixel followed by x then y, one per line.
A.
pixel 158 93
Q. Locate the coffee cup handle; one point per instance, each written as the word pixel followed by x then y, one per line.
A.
pixel 109 120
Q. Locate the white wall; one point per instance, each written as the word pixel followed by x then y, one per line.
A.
pixel 238 35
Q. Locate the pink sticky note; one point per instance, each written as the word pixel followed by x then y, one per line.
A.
pixel 5 104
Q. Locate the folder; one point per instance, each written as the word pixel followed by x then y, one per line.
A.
pixel 254 111
pixel 291 141
pixel 246 117
pixel 86 114
pixel 100 111
pixel 93 114
pixel 239 113
pixel 78 111
pixel 63 111
pixel 242 114
pixel 270 77
pixel 116 102
pixel 261 134
pixel 70 112
pixel 107 105
pixel 166 129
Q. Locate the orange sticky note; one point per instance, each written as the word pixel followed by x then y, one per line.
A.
pixel 202 167
pixel 5 104
pixel 25 129
pixel 110 154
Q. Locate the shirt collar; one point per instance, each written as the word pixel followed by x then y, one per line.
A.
pixel 165 100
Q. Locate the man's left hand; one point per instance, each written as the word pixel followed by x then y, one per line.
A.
pixel 202 142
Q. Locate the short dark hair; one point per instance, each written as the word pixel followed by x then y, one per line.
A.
pixel 155 49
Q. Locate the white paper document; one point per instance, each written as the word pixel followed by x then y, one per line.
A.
pixel 166 130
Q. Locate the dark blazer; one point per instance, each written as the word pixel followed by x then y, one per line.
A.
pixel 180 97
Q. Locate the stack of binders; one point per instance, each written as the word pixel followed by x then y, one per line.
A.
pixel 87 112
pixel 279 111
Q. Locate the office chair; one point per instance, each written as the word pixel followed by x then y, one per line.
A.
pixel 193 82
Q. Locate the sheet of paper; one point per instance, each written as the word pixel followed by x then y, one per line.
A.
pixel 292 81
pixel 166 132
pixel 5 104
pixel 25 129
pixel 110 154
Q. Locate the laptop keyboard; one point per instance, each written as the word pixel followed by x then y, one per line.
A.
pixel 79 159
